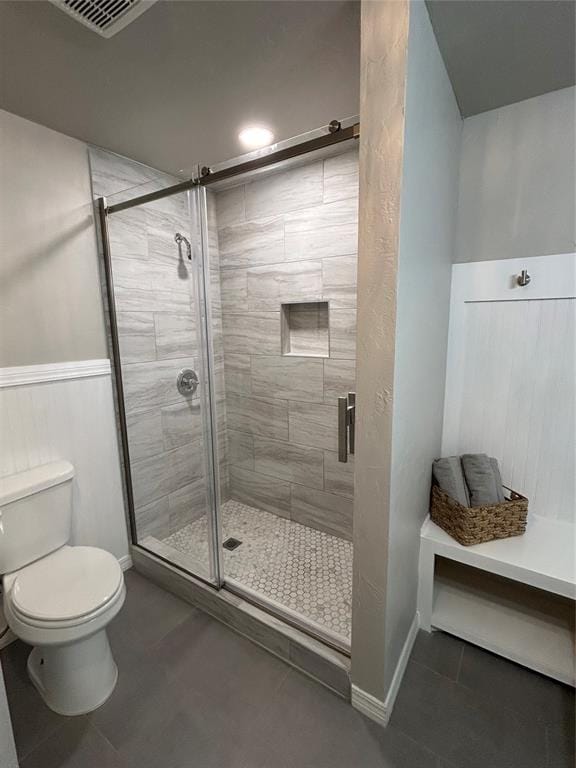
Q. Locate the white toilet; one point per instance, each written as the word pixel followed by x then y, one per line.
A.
pixel 57 598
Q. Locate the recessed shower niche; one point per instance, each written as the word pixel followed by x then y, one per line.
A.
pixel 305 329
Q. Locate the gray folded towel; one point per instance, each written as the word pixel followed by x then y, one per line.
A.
pixel 448 474
pixel 498 478
pixel 484 487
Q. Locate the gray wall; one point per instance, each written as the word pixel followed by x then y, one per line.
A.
pixel 50 302
pixel 290 237
pixel 382 93
pixel 517 191
pixel 427 222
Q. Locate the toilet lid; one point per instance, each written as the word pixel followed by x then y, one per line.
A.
pixel 70 583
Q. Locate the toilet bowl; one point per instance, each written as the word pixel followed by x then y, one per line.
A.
pixel 61 601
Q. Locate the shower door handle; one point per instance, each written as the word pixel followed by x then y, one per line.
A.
pixel 346 426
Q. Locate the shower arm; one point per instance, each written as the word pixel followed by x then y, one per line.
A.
pixel 181 239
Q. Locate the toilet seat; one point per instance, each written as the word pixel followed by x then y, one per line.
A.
pixel 67 588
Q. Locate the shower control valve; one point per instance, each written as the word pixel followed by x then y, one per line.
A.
pixel 187 382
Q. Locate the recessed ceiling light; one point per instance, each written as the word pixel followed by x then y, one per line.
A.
pixel 256 136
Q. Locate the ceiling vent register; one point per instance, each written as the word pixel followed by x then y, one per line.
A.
pixel 106 17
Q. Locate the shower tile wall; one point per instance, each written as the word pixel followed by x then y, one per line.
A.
pixel 289 238
pixel 156 319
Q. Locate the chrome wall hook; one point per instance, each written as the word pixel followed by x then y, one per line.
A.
pixel 523 278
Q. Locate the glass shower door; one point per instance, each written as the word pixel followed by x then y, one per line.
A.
pixel 158 326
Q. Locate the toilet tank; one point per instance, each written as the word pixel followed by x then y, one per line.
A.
pixel 35 513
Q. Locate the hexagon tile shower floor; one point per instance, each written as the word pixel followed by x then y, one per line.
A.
pixel 298 567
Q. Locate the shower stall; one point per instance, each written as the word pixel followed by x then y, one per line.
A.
pixel 232 310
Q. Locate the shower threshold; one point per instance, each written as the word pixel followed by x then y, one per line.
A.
pixel 300 574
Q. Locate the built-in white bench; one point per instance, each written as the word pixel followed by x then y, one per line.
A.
pixel 510 394
pixel 523 610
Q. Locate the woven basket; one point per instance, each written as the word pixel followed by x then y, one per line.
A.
pixel 473 525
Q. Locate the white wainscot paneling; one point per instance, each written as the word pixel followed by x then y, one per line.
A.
pixel 510 388
pixel 67 411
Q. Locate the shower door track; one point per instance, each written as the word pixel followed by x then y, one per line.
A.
pixel 207 176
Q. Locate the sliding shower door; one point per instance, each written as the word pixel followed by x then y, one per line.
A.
pixel 158 326
pixel 282 245
pixel 233 317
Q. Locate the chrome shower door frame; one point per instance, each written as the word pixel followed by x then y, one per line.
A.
pixel 197 213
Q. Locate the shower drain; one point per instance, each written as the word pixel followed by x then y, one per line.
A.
pixel 231 543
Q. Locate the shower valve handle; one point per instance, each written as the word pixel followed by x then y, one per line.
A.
pixel 187 381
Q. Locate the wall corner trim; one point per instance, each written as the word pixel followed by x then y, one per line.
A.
pixel 375 709
pixel 36 374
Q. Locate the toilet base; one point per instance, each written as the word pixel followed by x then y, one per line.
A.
pixel 77 678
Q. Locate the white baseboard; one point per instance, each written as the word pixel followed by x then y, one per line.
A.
pixel 125 562
pixel 375 709
pixel 369 705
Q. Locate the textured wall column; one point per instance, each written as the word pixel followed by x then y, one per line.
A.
pixel 383 73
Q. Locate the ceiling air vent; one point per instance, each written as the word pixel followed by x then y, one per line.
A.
pixel 106 17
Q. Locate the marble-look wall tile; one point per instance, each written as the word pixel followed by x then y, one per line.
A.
pixel 290 238
pixel 338 475
pixel 258 416
pixel 290 378
pixel 153 519
pixel 339 379
pixel 343 334
pixel 237 373
pixel 290 190
pixel 256 333
pixel 327 230
pixel 230 207
pixel 294 463
pixel 127 234
pixel 136 336
pixel 341 176
pixel 234 290
pixel 167 472
pixel 339 281
pixel 260 491
pixel 241 449
pixel 151 385
pixel 146 286
pixel 269 286
pixel 162 228
pixel 313 425
pixel 145 437
pixel 112 174
pixel 253 242
pixel 175 335
pixel 321 510
pixel 182 423
pixel 187 504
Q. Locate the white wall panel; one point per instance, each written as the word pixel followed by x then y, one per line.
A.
pixel 70 418
pixel 511 387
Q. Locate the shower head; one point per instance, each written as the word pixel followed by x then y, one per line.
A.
pixel 181 239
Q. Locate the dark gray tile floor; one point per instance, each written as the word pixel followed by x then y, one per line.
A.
pixel 193 694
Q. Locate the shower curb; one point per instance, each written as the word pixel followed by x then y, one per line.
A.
pixel 324 664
